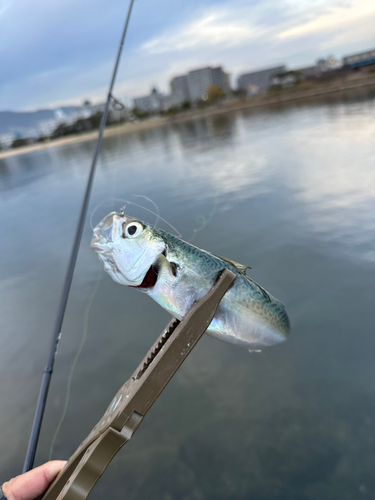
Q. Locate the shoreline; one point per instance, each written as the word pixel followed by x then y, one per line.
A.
pixel 248 104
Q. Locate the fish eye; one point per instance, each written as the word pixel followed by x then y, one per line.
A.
pixel 133 229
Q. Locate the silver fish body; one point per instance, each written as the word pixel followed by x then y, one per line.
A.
pixel 176 274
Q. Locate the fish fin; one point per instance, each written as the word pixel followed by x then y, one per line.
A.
pixel 240 267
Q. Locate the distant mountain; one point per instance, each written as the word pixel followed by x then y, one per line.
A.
pixel 14 122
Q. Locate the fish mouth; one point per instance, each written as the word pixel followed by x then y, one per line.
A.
pixel 103 233
pixel 103 243
pixel 150 279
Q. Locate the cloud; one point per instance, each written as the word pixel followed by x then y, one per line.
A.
pixel 336 19
pixel 56 51
pixel 212 29
pixel 245 36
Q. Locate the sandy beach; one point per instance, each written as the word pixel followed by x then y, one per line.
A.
pixel 254 103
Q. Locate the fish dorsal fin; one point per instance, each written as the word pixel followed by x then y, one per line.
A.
pixel 241 268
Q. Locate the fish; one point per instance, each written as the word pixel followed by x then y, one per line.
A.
pixel 176 274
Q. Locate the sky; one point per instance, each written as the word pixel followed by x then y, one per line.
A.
pixel 62 52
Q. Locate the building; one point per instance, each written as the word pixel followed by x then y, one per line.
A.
pixel 199 80
pixel 286 79
pixel 149 103
pixel 6 140
pixel 191 87
pixel 329 64
pixel 258 80
pixel 221 79
pixel 154 102
pixel 46 127
pixel 321 66
pixel 85 111
pixel 145 103
pixel 308 72
pixel 361 59
pixel 180 88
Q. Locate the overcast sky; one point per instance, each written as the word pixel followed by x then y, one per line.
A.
pixel 62 51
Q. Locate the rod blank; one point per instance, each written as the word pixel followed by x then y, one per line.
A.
pixel 47 375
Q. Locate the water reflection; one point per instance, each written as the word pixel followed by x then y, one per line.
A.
pixel 288 191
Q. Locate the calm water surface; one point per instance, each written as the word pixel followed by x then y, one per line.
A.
pixel 289 192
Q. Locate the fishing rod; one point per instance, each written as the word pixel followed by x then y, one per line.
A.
pixel 47 374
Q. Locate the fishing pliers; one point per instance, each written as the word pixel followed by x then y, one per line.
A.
pixel 136 396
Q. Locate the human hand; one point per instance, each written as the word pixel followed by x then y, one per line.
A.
pixel 34 483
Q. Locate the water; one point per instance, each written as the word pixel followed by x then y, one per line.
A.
pixel 290 192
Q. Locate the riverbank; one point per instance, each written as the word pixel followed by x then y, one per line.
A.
pixel 336 88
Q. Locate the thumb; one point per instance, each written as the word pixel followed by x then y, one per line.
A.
pixel 30 485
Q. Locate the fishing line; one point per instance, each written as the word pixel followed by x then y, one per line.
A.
pixel 204 221
pixel 99 205
pixel 126 203
pixel 75 361
pixel 46 380
pixel 153 213
pixel 118 147
pixel 117 105
pixel 152 203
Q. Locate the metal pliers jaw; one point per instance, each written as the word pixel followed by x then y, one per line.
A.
pixel 136 396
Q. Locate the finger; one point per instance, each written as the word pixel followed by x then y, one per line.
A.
pixel 30 485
